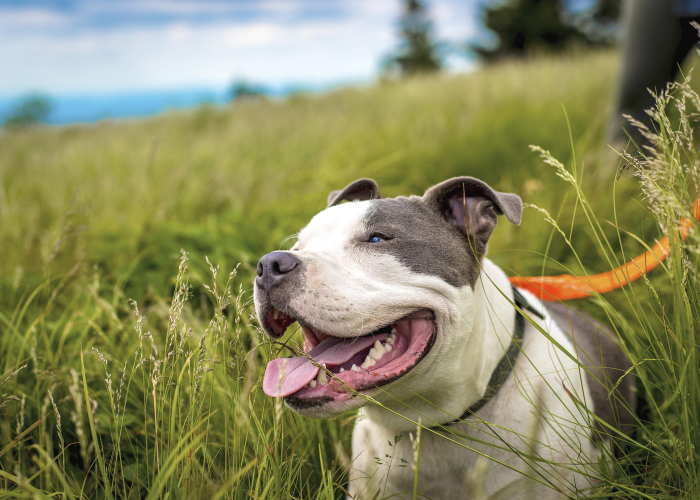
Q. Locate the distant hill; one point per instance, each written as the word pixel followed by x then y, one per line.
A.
pixel 90 108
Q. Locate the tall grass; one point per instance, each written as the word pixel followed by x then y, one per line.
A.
pixel 663 336
pixel 658 329
pixel 103 397
pixel 172 410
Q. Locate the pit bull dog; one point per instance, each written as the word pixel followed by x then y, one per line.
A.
pixel 404 316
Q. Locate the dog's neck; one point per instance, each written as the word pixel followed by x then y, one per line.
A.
pixel 494 324
pixel 487 322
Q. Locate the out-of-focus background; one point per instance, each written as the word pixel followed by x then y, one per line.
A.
pixel 91 60
pixel 134 129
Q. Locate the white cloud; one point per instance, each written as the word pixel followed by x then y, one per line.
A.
pixel 196 6
pixel 251 35
pixel 14 19
pixel 271 49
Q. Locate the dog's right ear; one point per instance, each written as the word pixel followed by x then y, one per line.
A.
pixel 472 207
pixel 361 189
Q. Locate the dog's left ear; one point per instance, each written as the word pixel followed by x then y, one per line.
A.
pixel 361 189
pixel 472 206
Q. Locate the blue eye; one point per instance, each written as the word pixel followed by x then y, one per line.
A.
pixel 376 239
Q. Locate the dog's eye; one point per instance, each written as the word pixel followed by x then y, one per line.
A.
pixel 375 238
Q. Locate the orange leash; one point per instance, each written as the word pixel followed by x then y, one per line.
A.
pixel 568 287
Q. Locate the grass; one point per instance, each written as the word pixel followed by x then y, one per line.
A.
pixel 159 397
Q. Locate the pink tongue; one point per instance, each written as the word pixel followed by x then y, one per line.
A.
pixel 285 376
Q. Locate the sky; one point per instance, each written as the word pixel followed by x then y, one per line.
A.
pixel 78 47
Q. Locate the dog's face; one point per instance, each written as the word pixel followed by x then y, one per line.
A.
pixel 383 291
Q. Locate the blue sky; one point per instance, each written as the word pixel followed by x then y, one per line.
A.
pixel 97 46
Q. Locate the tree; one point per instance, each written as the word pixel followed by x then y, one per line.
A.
pixel 417 53
pixel 246 91
pixel 601 22
pixel 523 25
pixel 30 110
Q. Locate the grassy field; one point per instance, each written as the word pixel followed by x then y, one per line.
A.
pixel 121 376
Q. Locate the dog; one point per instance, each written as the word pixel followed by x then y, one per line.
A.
pixel 403 316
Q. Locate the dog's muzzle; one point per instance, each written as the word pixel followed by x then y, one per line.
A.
pixel 332 368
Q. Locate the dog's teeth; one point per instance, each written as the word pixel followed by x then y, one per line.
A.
pixel 391 339
pixel 355 368
pixel 341 370
pixel 393 331
pixel 377 351
pixel 388 347
pixel 369 362
pixel 275 313
pixel 312 384
pixel 322 378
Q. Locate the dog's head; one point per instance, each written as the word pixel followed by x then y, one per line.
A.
pixel 383 290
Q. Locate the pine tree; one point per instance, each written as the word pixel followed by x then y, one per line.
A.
pixel 418 53
pixel 523 25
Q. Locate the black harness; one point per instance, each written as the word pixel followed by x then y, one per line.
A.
pixel 505 365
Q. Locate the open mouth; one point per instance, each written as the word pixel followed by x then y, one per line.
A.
pixel 364 362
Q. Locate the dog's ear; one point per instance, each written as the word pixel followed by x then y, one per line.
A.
pixel 472 206
pixel 361 189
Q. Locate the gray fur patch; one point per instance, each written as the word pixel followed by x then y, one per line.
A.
pixel 606 361
pixel 421 239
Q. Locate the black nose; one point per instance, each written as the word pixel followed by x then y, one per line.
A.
pixel 274 267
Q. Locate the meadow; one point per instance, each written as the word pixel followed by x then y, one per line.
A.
pixel 130 358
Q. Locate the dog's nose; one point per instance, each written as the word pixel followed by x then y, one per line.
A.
pixel 274 267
